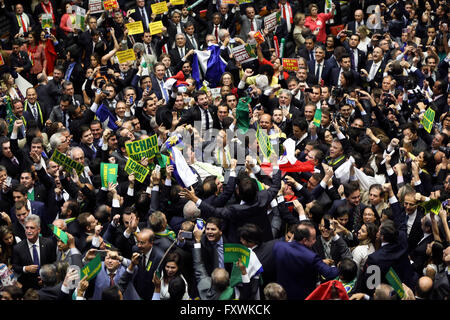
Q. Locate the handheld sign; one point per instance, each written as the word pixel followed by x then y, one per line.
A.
pixel 271 21
pixel 317 117
pixel 140 172
pixel 145 148
pixel 156 27
pixel 135 28
pixel 47 21
pixel 290 64
pixel 177 2
pixel 243 53
pixel 265 146
pixel 110 4
pixel 66 162
pixel 159 8
pixel 92 268
pixel 108 173
pixel 95 6
pixel 395 282
pixel 233 251
pixel 428 119
pixel 61 235
pixel 126 55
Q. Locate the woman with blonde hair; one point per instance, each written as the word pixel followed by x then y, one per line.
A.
pixel 299 30
pixel 10 88
pixel 364 40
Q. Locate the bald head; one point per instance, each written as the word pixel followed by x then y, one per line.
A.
pixel 265 121
pixel 424 287
pixel 359 15
pixel 220 279
pixel 60 224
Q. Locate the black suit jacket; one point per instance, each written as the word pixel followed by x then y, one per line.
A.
pixel 156 88
pixel 44 98
pixel 143 279
pixel 376 81
pixel 76 77
pixel 137 16
pixel 416 233
pixel 264 254
pixel 14 24
pixel 419 254
pixel 22 257
pixel 176 58
pixel 338 250
pixel 254 212
pixel 194 114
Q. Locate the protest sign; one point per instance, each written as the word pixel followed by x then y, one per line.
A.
pixel 110 4
pixel 66 162
pixel 265 146
pixel 177 2
pixel 95 6
pixel 92 268
pixel 228 1
pixel 156 27
pixel 271 21
pixel 159 8
pixel 243 53
pixel 395 282
pixel 233 251
pixel 135 28
pixel 47 21
pixel 433 205
pixel 258 37
pixel 290 64
pixel 139 171
pixel 108 173
pixel 145 148
pixel 428 119
pixel 126 55
pixel 61 235
pixel 317 117
pixel 80 16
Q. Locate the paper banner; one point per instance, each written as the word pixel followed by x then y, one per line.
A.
pixel 95 6
pixel 290 64
pixel 110 4
pixel 67 162
pixel 428 119
pixel 108 173
pixel 177 2
pixel 233 251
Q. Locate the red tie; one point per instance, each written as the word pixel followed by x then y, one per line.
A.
pixel 111 279
pixel 251 25
pixel 24 27
pixel 284 12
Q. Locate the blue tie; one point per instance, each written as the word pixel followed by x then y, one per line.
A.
pixel 35 255
pixel 220 255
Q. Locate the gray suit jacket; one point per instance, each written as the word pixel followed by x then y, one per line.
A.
pixel 204 283
pixel 245 26
pixel 73 258
pixel 56 115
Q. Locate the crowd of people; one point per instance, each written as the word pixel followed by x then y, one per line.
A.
pixel 333 169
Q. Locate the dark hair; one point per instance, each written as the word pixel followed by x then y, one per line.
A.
pixel 216 221
pixel 301 123
pixel 20 188
pixel 250 232
pixel 177 288
pixel 247 189
pixel 388 231
pixel 111 293
pixel 209 186
pixel 437 252
pixel 303 230
pixel 430 163
pixel 372 230
pixel 347 269
pixel 267 70
pixel 350 187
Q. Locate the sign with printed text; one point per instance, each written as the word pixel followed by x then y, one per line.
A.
pixel 232 252
pixel 290 64
pixel 265 146
pixel 80 16
pixel 428 120
pixel 228 1
pixel 135 28
pixel 245 1
pixel 108 173
pixel 95 6
pixel 156 27
pixel 243 53
pixel 317 117
pixel 145 148
pixel 259 37
pixel 47 21
pixel 67 163
pixel 126 55
pixel 92 268
pixel 159 8
pixel 395 282
pixel 61 235
pixel 140 172
pixel 110 4
pixel 271 21
pixel 177 2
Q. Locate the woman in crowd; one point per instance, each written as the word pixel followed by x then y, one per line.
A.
pixel 172 269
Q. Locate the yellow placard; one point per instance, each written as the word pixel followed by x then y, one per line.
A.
pixel 140 172
pixel 156 27
pixel 177 2
pixel 145 148
pixel 159 8
pixel 135 28
pixel 126 55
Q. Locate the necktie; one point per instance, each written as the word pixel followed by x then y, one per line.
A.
pixel 206 118
pixel 352 57
pixel 24 27
pixel 284 12
pixel 327 250
pixel 14 160
pixel 144 15
pixel 181 53
pixel 311 53
pixel 220 255
pixel 318 72
pixel 251 25
pixel 163 90
pixel 194 44
pixel 216 34
pixel 94 149
pixel 149 49
pixel 111 279
pixel 35 113
pixel 35 255
pixel 373 70
pixel 63 256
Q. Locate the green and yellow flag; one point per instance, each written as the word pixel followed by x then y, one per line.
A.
pixel 265 146
pixel 428 120
pixel 92 268
pixel 232 252
pixel 61 235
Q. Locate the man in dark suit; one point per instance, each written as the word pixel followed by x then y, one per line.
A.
pixel 30 254
pixel 38 113
pixel 344 65
pixel 74 71
pixel 20 21
pixel 308 51
pixel 35 191
pixel 419 254
pixel 297 266
pixel 150 258
pixel 394 249
pixel 357 57
pixel 158 79
pixel 54 86
pixel 373 73
pixel 87 144
pixel 142 13
pixel 19 60
pixel 192 40
pixel 329 245
pixel 359 21
pixel 414 215
pixel 317 68
pixel 249 23
pixel 202 111
pixel 252 209
pixel 181 53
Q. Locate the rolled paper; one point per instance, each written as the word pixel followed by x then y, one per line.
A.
pixel 283 44
pixel 276 46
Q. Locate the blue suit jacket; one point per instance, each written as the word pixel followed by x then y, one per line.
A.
pixel 298 268
pixel 102 282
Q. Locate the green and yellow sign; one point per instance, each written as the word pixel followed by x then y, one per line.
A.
pixel 428 120
pixel 139 171
pixel 232 252
pixel 66 162
pixel 145 148
pixel 92 268
pixel 108 173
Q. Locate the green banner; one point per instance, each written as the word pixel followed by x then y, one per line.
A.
pixel 233 251
pixel 108 173
pixel 265 146
pixel 140 172
pixel 434 206
pixel 47 21
pixel 428 120
pixel 395 282
pixel 61 235
pixel 92 268
pixel 145 148
pixel 317 117
pixel 242 114
pixel 66 162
